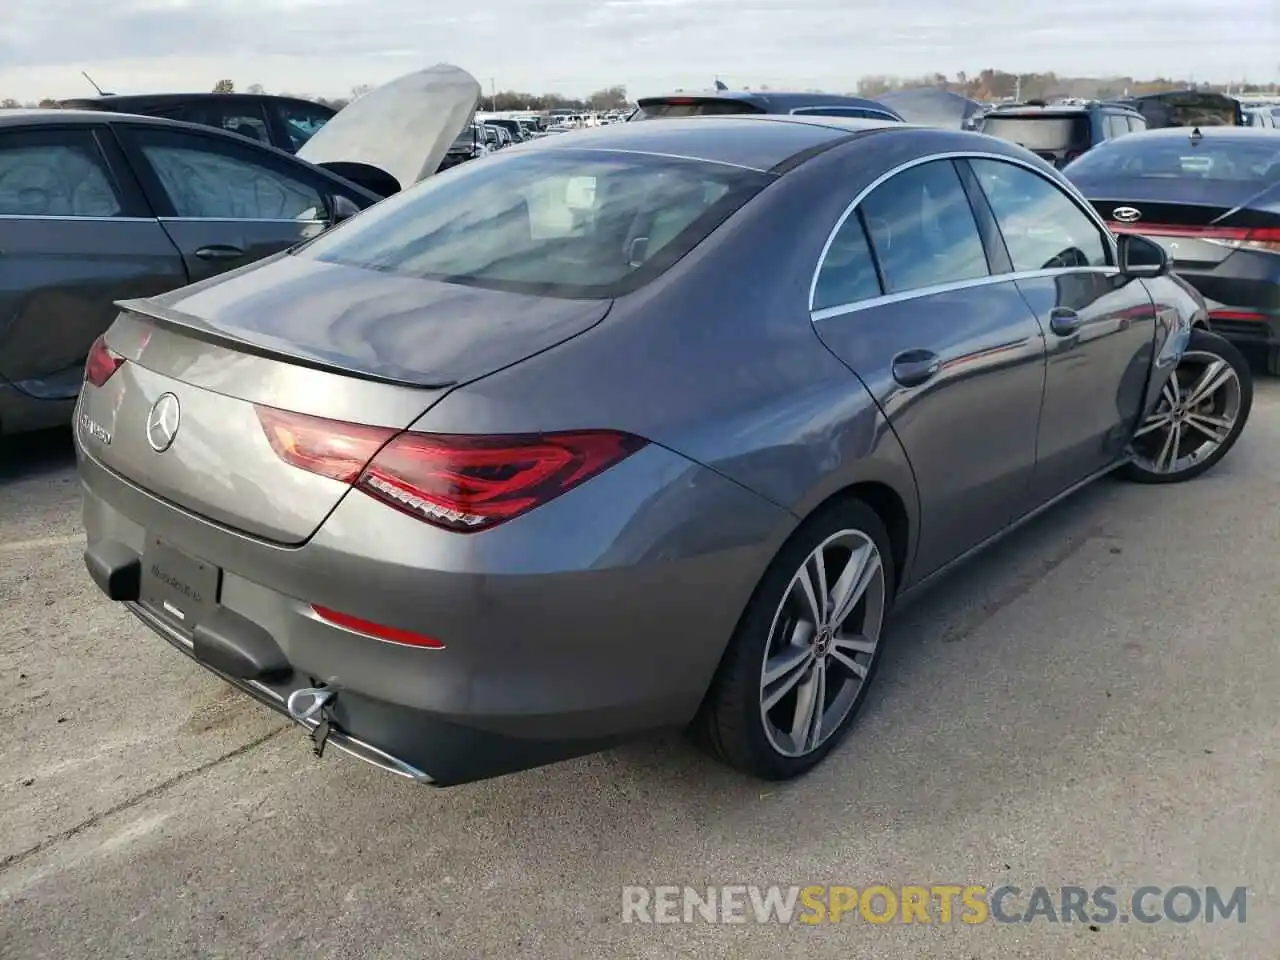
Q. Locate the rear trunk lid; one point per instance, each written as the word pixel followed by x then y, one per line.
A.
pixel 330 341
pixel 1183 215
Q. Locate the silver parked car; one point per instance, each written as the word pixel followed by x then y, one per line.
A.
pixel 637 427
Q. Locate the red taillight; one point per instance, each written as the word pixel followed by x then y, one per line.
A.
pixel 471 483
pixel 101 363
pixel 1251 238
pixel 1248 315
pixel 331 448
pixel 377 630
pixel 460 483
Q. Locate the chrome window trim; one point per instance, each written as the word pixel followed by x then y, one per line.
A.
pixel 871 113
pixel 37 216
pixel 1108 237
pixel 301 223
pixel 839 310
pixel 561 146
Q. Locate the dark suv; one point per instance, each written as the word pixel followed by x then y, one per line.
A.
pixel 721 102
pixel 283 122
pixel 1059 134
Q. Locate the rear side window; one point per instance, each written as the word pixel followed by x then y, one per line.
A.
pixel 1043 229
pixel 301 121
pixel 861 113
pixel 1041 132
pixel 691 107
pixel 923 230
pixel 1116 126
pixel 245 119
pixel 569 223
pixel 54 174
pixel 1136 124
pixel 848 271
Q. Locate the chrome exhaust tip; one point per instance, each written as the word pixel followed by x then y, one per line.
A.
pixel 306 704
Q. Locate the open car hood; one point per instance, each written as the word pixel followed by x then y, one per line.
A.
pixel 403 127
pixel 931 106
pixel 1188 108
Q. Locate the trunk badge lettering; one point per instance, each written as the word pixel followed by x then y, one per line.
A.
pixel 1127 214
pixel 162 422
pixel 94 429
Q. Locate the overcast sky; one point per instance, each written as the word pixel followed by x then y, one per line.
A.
pixel 324 47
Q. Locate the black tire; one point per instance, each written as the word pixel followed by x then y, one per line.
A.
pixel 1203 342
pixel 730 724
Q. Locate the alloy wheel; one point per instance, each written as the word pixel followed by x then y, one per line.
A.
pixel 1194 416
pixel 823 639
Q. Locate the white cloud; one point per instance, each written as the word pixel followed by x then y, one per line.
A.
pixel 327 46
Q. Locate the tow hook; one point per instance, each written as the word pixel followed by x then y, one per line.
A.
pixel 311 704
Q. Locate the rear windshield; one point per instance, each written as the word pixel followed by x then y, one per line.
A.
pixel 1212 158
pixel 570 223
pixel 1039 133
pixel 691 107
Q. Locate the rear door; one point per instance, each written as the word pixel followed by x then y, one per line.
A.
pixel 1099 327
pixel 906 297
pixel 75 235
pixel 224 203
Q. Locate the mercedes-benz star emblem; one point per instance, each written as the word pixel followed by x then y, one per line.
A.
pixel 1126 214
pixel 162 423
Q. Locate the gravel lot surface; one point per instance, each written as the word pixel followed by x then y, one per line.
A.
pixel 1092 702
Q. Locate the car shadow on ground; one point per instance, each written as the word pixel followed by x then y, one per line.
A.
pixel 29 456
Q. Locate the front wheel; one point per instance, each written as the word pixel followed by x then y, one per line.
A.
pixel 803 657
pixel 1201 411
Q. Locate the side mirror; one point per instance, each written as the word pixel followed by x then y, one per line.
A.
pixel 341 207
pixel 1140 257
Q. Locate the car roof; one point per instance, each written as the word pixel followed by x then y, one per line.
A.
pixel 70 117
pixel 756 141
pixel 771 100
pixel 125 100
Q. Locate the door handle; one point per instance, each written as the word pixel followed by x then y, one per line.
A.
pixel 220 251
pixel 1064 321
pixel 914 367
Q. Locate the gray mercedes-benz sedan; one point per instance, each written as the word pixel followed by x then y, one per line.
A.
pixel 640 427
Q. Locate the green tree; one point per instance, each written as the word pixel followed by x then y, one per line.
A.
pixel 224 86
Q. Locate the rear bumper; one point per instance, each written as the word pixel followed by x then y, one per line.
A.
pixel 582 625
pixel 1243 309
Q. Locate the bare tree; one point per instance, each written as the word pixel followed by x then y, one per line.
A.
pixel 359 90
pixel 255 88
pixel 8 103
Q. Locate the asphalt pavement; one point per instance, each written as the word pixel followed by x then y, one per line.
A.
pixel 1093 702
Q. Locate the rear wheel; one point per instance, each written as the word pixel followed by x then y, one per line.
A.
pixel 1199 416
pixel 803 657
